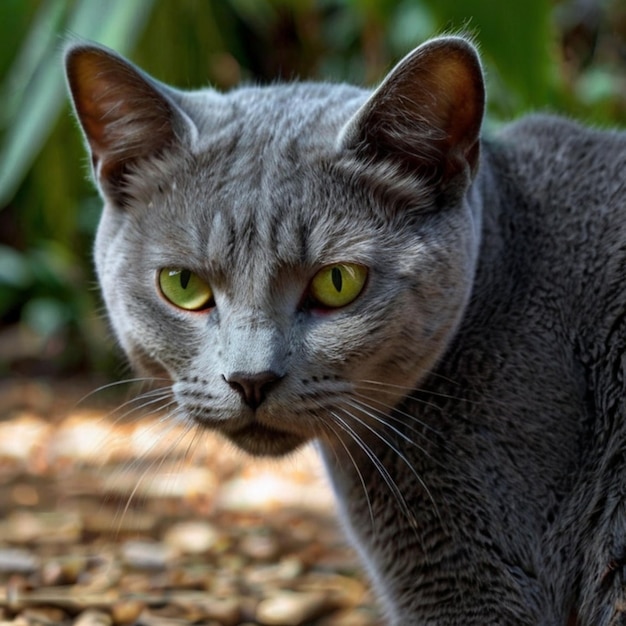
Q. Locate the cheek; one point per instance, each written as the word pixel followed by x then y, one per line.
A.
pixel 339 342
pixel 401 341
pixel 156 340
pixel 120 320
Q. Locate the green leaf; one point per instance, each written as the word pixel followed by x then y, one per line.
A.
pixel 514 38
pixel 45 316
pixel 15 269
pixel 39 96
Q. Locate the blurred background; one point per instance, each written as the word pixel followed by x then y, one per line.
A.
pixel 559 55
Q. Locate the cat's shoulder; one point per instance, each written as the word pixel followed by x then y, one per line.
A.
pixel 547 132
pixel 555 153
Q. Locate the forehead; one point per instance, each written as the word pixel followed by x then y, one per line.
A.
pixel 267 135
pixel 289 214
pixel 265 180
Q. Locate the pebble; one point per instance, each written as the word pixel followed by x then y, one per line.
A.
pixel 126 611
pixel 63 571
pixel 92 617
pixel 225 611
pixel 353 617
pixel 287 570
pixel 41 527
pixel 259 547
pixel 83 436
pixel 290 608
pixel 22 437
pixel 148 555
pixel 193 537
pixel 342 589
pixel 25 495
pixel 171 482
pixel 17 561
pixel 100 522
pixel 48 616
pixel 269 491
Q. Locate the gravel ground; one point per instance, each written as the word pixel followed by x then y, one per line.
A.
pixel 108 519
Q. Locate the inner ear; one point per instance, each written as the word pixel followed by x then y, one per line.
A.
pixel 124 114
pixel 427 113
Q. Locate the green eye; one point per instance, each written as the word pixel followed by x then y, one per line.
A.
pixel 337 285
pixel 185 289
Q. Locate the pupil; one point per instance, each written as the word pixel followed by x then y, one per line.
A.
pixel 337 278
pixel 185 277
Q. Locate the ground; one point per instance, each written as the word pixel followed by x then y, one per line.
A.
pixel 110 519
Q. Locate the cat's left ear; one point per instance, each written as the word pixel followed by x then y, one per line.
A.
pixel 426 115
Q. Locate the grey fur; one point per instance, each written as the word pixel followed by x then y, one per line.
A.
pixel 469 404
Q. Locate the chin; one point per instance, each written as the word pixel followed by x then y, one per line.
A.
pixel 260 440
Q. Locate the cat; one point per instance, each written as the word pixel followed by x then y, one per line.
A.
pixel 443 313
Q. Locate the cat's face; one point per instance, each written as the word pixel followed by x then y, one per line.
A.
pixel 282 256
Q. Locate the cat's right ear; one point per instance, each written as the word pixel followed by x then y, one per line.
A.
pixel 125 115
pixel 425 117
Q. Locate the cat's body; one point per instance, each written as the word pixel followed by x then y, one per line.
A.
pixel 524 520
pixel 479 292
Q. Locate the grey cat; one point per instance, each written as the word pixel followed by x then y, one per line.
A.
pixel 444 315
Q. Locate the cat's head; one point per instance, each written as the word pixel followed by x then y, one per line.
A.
pixel 292 258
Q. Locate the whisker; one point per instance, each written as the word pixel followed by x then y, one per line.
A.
pixel 408 396
pixel 356 467
pixel 382 470
pixel 398 453
pixel 198 435
pixel 395 412
pixel 114 442
pixel 360 406
pixel 410 391
pixel 118 383
pixel 154 466
pixel 149 399
pixel 154 435
pixel 384 420
pixel 167 416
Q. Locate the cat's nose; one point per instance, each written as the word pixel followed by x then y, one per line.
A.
pixel 253 387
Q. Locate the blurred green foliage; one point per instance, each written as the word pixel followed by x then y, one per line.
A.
pixel 565 55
